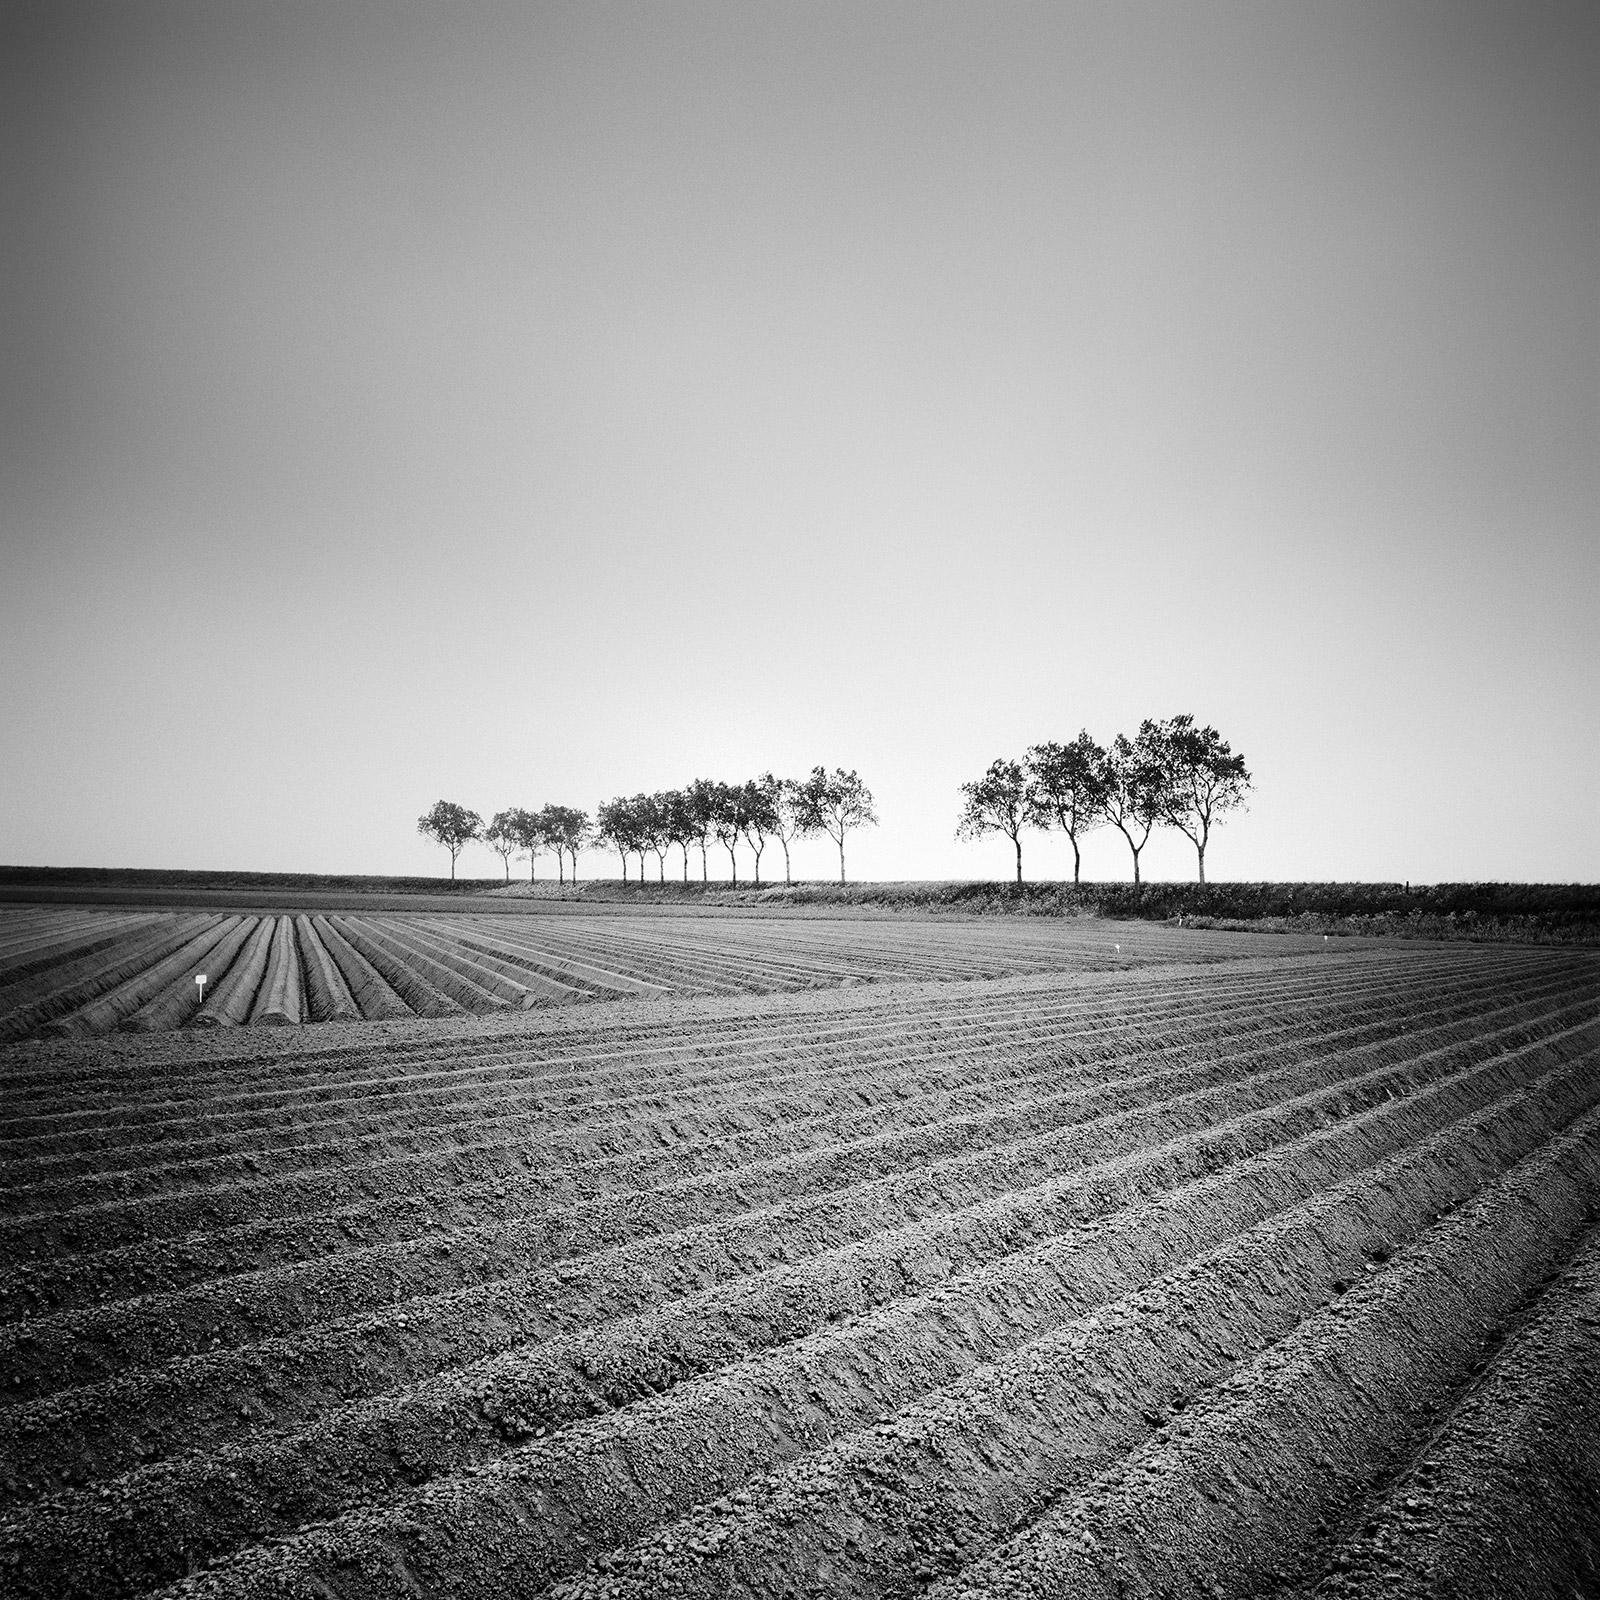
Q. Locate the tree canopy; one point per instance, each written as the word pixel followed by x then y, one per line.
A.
pixel 452 826
pixel 1001 801
pixel 836 803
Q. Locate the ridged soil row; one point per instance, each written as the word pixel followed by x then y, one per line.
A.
pixel 472 982
pixel 815 1097
pixel 561 1083
pixel 362 1276
pixel 374 996
pixel 180 1001
pixel 561 1375
pixel 511 1164
pixel 316 1286
pixel 536 956
pixel 328 997
pixel 937 1483
pixel 412 982
pixel 536 987
pixel 59 991
pixel 25 928
pixel 410 1339
pixel 111 1009
pixel 1503 1500
pixel 233 991
pixel 1233 1495
pixel 64 945
pixel 33 1092
pixel 689 964
pixel 280 1001
pixel 957 1361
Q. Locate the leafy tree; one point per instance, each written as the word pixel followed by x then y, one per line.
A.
pixel 758 818
pixel 1067 781
pixel 727 820
pixel 549 824
pixel 452 826
pixel 835 804
pixel 528 829
pixel 501 836
pixel 566 828
pixel 1134 779
pixel 1205 780
pixel 615 825
pixel 1001 801
pixel 700 799
pixel 783 800
pixel 656 829
pixel 679 825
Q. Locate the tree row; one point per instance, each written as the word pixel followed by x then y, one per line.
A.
pixel 1172 774
pixel 756 813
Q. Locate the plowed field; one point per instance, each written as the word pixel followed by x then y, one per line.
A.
pixel 65 973
pixel 1238 1267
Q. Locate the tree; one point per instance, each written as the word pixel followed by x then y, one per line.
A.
pixel 528 829
pixel 1067 781
pixel 783 797
pixel 614 825
pixel 452 826
pixel 1001 801
pixel 758 817
pixel 1205 780
pixel 679 827
pixel 549 825
pixel 701 800
pixel 1134 777
pixel 501 836
pixel 835 804
pixel 651 824
pixel 566 828
pixel 727 821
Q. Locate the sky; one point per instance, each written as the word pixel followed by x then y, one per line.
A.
pixel 533 403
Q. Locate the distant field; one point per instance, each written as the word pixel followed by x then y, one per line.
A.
pixel 1520 912
pixel 91 971
pixel 1225 1264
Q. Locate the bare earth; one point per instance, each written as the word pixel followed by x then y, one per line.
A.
pixel 841 1257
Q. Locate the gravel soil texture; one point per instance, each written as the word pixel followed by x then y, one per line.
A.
pixel 801 1259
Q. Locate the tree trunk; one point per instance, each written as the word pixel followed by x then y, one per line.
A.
pixel 1202 853
pixel 452 866
pixel 507 862
pixel 841 858
pixel 574 855
pixel 1018 843
pixel 685 850
pixel 733 863
pixel 1076 861
pixel 758 869
pixel 561 867
pixel 624 855
pixel 1136 867
pixel 530 866
pixel 705 872
pixel 788 882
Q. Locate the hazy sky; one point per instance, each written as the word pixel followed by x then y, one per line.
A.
pixel 538 403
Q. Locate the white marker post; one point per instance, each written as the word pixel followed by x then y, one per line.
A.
pixel 200 984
